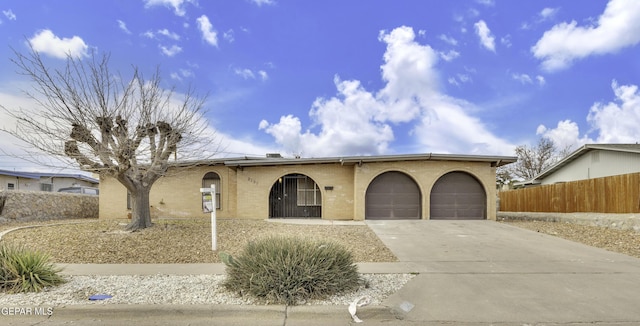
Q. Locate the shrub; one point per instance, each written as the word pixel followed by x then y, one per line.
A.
pixel 23 270
pixel 290 270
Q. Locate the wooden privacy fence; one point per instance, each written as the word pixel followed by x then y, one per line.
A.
pixel 616 194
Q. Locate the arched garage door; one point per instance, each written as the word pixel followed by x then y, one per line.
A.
pixel 392 196
pixel 458 196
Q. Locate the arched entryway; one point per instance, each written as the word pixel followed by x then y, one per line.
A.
pixel 458 196
pixel 295 196
pixel 393 196
pixel 210 179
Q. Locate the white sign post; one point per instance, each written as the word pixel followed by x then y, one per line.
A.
pixel 214 235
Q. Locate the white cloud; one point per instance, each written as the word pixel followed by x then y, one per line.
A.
pixel 459 79
pixel 245 73
pixel 263 75
pixel 618 121
pixel 613 122
pixel 208 33
pixel 522 78
pixel 544 15
pixel 170 52
pixel 449 56
pixel 167 33
pixel 177 5
pixel 526 79
pixel 449 128
pixel 228 36
pixel 164 32
pixel 347 126
pixel 548 13
pixel 263 2
pixel 448 39
pixel 506 41
pixel 48 43
pixel 250 74
pixel 359 121
pixel 123 26
pixel 9 14
pixel 618 27
pixel 488 3
pixel 484 33
pixel 565 135
pixel 181 74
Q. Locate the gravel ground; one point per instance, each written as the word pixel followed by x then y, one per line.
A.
pixel 178 241
pixel 187 241
pixel 622 241
pixel 181 240
pixel 178 289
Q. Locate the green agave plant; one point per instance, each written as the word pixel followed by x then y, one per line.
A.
pixel 24 270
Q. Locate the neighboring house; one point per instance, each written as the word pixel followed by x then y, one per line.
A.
pixel 421 186
pixel 38 181
pixel 590 161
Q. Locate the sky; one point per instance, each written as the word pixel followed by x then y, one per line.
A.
pixel 361 77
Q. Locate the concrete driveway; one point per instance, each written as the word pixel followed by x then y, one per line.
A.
pixel 484 272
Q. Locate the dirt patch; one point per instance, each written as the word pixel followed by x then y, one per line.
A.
pixel 182 241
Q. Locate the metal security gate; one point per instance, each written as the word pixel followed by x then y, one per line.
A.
pixel 458 196
pixel 393 196
pixel 295 196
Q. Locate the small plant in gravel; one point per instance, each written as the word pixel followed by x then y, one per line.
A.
pixel 23 270
pixel 288 270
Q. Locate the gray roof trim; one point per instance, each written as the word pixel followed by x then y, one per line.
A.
pixel 351 160
pixel 38 175
pixel 628 148
pixel 17 174
pixel 70 176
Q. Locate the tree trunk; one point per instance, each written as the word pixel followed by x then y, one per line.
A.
pixel 140 210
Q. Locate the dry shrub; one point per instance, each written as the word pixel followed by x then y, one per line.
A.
pixel 288 270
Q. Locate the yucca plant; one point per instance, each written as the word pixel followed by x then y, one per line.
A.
pixel 290 270
pixel 24 270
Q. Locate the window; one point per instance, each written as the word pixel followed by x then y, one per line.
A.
pixel 211 179
pixel 46 187
pixel 308 193
pixel 11 186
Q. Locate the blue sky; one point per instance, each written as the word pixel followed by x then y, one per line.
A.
pixel 338 78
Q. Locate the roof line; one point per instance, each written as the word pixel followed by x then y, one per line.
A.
pixel 498 160
pixel 628 148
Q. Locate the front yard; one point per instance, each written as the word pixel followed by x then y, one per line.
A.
pixel 182 240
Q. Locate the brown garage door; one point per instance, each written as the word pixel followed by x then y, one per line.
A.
pixel 392 196
pixel 458 196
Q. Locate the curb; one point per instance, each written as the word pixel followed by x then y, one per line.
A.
pixel 218 314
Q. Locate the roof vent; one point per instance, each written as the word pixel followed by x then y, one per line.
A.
pixel 274 155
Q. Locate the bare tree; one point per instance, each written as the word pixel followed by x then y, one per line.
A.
pixel 125 129
pixel 533 160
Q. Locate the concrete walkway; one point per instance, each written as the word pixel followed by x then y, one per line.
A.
pixel 470 273
pixel 483 272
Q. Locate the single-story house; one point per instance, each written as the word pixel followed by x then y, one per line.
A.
pixel 417 186
pixel 43 181
pixel 589 162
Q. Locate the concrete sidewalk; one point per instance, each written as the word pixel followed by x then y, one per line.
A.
pixel 470 273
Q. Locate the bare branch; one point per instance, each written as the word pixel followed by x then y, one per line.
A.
pixel 126 129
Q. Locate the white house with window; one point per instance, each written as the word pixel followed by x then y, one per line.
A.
pixel 42 181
